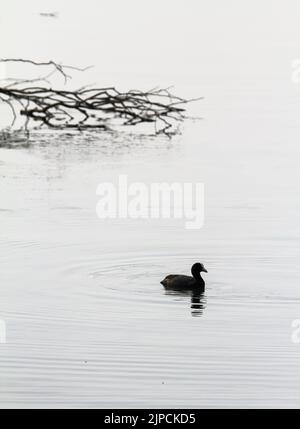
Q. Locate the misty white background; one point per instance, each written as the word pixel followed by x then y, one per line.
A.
pixel 226 45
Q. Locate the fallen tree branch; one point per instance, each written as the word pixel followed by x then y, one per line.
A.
pixel 39 103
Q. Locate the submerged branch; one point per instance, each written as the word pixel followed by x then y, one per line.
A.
pixel 38 102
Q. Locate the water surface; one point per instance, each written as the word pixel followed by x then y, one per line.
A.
pixel 88 323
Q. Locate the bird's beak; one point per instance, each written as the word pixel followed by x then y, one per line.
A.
pixel 205 270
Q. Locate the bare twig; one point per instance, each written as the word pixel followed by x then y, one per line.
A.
pixel 88 107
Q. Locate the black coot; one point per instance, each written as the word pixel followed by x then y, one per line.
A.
pixel 178 281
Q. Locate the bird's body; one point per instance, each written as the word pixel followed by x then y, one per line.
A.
pixel 183 282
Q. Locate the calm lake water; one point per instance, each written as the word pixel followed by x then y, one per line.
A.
pixel 88 323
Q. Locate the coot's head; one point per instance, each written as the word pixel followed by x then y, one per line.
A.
pixel 197 269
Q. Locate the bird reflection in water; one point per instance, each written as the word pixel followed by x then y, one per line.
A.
pixel 197 299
